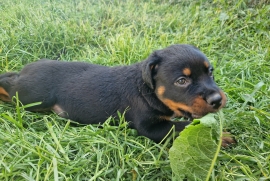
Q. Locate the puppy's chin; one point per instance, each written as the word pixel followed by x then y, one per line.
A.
pixel 185 114
pixel 190 116
pixel 202 114
pixel 196 116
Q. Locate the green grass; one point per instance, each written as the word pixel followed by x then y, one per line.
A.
pixel 233 34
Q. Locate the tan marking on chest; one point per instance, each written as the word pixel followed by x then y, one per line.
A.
pixel 59 111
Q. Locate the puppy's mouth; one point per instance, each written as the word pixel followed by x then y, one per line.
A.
pixel 186 115
pixel 189 116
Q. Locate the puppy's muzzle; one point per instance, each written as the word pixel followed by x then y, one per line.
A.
pixel 215 100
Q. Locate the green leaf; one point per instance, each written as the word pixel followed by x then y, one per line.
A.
pixel 194 152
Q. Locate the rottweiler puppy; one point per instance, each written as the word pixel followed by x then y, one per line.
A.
pixel 176 81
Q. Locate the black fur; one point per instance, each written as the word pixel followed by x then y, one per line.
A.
pixel 89 93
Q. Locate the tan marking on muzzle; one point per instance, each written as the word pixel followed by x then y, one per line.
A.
pixel 224 99
pixel 160 91
pixel 175 106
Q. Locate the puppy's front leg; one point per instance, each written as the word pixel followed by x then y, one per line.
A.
pixel 159 129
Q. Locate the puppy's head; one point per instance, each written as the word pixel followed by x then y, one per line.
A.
pixel 183 80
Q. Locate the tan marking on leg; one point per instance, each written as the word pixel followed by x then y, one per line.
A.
pixel 227 139
pixel 59 111
pixel 4 96
pixel 187 71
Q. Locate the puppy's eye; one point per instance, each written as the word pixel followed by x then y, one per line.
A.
pixel 181 81
pixel 211 72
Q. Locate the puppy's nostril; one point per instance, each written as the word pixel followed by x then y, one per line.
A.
pixel 214 100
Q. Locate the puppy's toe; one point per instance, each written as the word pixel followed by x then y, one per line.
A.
pixel 227 139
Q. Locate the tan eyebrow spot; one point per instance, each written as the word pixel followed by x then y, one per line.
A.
pixel 187 71
pixel 206 64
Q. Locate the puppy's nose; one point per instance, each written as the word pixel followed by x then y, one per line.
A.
pixel 214 100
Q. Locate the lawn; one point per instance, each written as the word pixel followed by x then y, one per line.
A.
pixel 234 35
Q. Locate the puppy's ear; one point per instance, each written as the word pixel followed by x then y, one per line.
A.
pixel 149 69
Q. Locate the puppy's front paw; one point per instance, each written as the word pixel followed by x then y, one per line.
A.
pixel 227 139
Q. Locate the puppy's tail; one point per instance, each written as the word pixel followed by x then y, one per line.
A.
pixel 7 80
